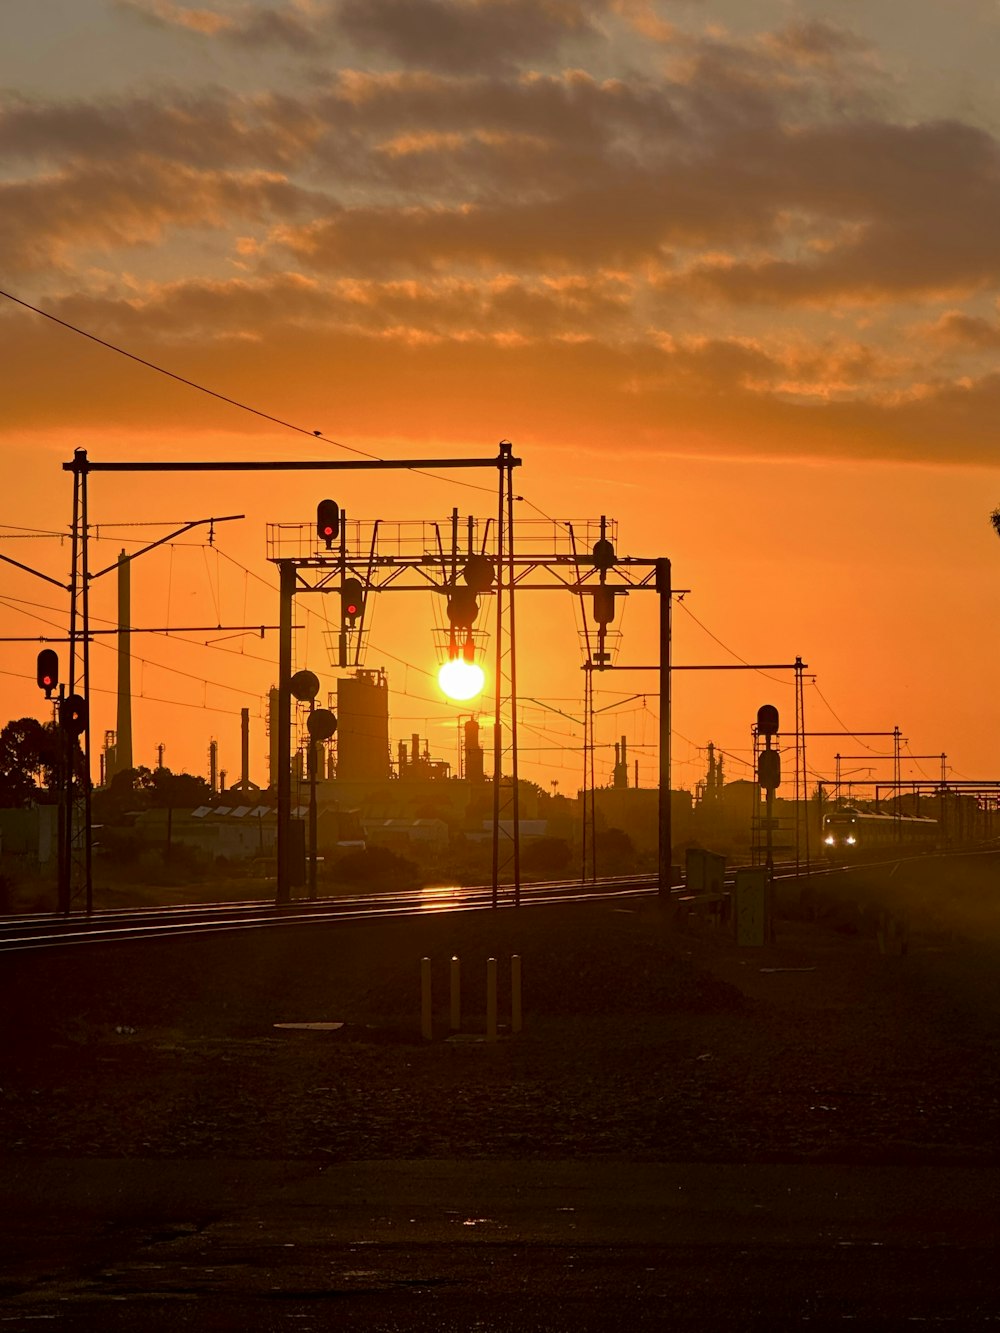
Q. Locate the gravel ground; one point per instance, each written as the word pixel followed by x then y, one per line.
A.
pixel 641 1041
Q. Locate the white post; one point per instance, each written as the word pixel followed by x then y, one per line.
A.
pixel 456 994
pixel 491 999
pixel 426 1013
pixel 515 993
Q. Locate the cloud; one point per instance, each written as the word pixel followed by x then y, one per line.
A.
pixel 200 312
pixel 293 25
pixel 307 364
pixel 678 226
pixel 208 129
pixel 450 35
pixel 45 221
pixel 165 12
pixel 967 331
pixel 465 35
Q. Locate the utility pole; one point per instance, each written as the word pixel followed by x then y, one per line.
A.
pixel 665 840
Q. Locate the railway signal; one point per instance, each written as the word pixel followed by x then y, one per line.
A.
pixel 463 607
pixel 48 671
pixel 327 521
pixel 767 720
pixel 304 686
pixel 604 604
pixel 769 770
pixel 479 573
pixel 73 714
pixel 352 601
pixel 603 555
pixel 321 724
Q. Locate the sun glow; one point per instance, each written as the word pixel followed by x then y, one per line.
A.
pixel 461 680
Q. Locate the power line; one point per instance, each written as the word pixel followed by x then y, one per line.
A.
pixel 224 398
pixel 839 719
pixel 159 666
pixel 684 607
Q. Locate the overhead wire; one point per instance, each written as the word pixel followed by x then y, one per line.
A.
pixel 136 657
pixel 870 748
pixel 225 398
pixel 725 647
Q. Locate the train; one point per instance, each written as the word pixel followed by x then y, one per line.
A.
pixel 848 832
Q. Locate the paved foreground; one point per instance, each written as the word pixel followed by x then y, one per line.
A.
pixel 445 1245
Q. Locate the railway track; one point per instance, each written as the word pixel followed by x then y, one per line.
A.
pixel 51 930
pixel 38 931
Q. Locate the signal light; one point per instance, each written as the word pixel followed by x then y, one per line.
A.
pixel 769 769
pixel 604 604
pixel 73 714
pixel 321 724
pixel 767 720
pixel 462 607
pixel 327 521
pixel 352 600
pixel 48 671
pixel 603 554
pixel 479 573
pixel 304 685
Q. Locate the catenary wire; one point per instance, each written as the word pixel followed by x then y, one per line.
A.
pixel 224 398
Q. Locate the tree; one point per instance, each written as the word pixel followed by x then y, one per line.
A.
pixel 547 856
pixel 28 750
pixel 178 791
pixel 140 788
pixel 615 851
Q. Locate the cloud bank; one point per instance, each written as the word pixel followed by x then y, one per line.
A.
pixel 564 217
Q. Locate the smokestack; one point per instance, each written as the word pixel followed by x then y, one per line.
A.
pixel 473 752
pixel 620 776
pixel 272 732
pixel 245 748
pixel 213 766
pixel 123 740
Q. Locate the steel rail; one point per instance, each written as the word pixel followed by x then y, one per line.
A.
pixel 376 908
pixel 21 933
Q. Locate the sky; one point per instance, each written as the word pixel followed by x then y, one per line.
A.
pixel 725 271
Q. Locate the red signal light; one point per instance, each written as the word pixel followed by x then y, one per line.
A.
pixel 327 521
pixel 352 600
pixel 47 673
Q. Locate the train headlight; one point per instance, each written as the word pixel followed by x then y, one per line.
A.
pixel 850 839
pixel 829 840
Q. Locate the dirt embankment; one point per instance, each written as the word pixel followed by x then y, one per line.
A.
pixel 640 1041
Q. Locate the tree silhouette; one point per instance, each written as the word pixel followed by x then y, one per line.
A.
pixel 28 750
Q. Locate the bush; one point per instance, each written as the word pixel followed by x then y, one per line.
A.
pixel 615 852
pixel 375 868
pixel 548 858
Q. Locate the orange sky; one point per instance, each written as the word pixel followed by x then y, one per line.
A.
pixel 726 273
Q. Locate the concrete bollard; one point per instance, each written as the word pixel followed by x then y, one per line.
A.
pixel 426 1010
pixel 456 994
pixel 515 993
pixel 455 997
pixel 491 999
